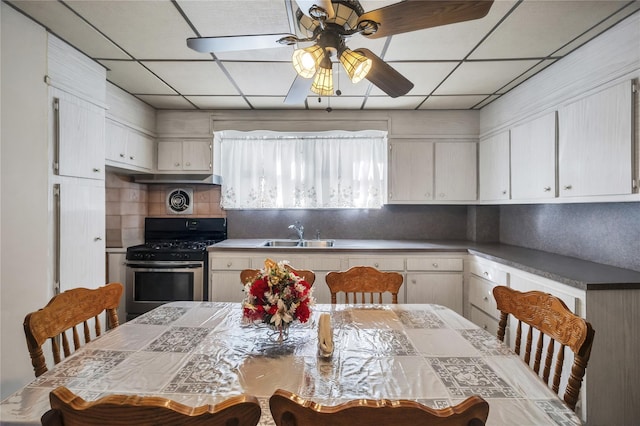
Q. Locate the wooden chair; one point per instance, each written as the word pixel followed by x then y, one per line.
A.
pixel 309 276
pixel 68 409
pixel 288 409
pixel 551 317
pixel 64 312
pixel 363 280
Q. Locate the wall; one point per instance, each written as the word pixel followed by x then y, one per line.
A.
pixel 605 233
pixel 25 281
pixel 390 222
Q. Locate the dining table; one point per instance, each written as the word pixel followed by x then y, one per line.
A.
pixel 205 352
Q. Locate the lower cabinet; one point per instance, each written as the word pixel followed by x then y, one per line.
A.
pixel 435 280
pixel 117 272
pixel 224 277
pixel 482 310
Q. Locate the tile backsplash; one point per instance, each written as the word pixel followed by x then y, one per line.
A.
pixel 128 203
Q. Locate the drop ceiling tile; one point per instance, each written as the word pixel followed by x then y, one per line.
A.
pixel 425 76
pixel 538 28
pixel 268 79
pixel 278 54
pixel 487 101
pixel 145 29
pixel 528 74
pixel 477 78
pixel 218 102
pixel 134 78
pixel 271 102
pixel 452 102
pixel 386 102
pixel 233 17
pixel 335 102
pixel 193 77
pixel 166 102
pixel 69 27
pixel 452 41
pixel 606 24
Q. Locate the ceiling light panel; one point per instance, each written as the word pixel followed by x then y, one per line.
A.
pixel 194 77
pixel 145 29
pixel 134 78
pixel 538 28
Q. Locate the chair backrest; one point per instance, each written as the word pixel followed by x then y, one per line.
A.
pixel 551 317
pixel 68 409
pixel 66 311
pixel 248 275
pixel 288 409
pixel 363 281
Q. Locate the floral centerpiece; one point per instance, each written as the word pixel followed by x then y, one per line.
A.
pixel 277 297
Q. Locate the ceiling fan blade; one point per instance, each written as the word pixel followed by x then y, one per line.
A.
pixel 298 91
pixel 305 5
pixel 385 77
pixel 235 43
pixel 413 15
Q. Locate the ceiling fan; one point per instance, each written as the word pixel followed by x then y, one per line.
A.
pixel 327 23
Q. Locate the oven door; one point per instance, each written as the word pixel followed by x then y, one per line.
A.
pixel 151 284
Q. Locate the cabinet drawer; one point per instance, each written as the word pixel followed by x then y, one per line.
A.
pixel 230 263
pixel 481 295
pixel 434 264
pixel 484 321
pixel 383 263
pixel 324 264
pixel 489 272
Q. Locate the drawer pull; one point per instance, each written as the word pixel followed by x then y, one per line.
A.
pixel 435 265
pixel 485 273
pixel 229 264
pixel 486 299
pixel 485 327
pixel 376 265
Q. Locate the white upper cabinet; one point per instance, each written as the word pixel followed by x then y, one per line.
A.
pixel 456 171
pixel 410 171
pixel 595 144
pixel 422 171
pixel 78 136
pixel 185 155
pixel 494 167
pixel 533 158
pixel 128 148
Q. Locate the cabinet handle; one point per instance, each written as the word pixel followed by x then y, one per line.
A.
pixel 121 155
pixel 376 265
pixel 176 164
pixel 504 192
pixel 413 281
pixel 188 163
pixel 486 299
pixel 97 239
pixel 435 265
pixel 547 188
pixel 442 195
pixel 229 264
pixel 485 327
pixel 485 273
pixel 132 157
pixel 567 187
pixel 96 170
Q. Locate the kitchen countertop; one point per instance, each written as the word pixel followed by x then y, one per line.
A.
pixel 572 271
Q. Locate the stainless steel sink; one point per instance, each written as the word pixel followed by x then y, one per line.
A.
pixel 297 243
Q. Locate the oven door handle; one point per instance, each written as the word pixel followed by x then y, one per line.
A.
pixel 164 266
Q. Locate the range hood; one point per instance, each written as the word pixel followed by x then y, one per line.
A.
pixel 202 179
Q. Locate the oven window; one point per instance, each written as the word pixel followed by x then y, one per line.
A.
pixel 163 286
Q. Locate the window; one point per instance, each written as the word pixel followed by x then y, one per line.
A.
pixel 336 169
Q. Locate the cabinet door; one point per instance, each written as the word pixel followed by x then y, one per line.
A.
pixel 595 144
pixel 533 158
pixel 411 171
pixel 442 289
pixel 456 171
pixel 140 148
pixel 196 155
pixel 494 167
pixel 170 155
pixel 226 287
pixel 115 142
pixel 81 228
pixel 79 130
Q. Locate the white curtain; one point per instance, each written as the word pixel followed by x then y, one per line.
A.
pixel 302 170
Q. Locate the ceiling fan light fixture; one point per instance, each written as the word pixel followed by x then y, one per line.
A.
pixel 305 61
pixel 356 64
pixel 323 81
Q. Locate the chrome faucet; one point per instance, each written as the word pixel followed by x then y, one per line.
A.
pixel 299 229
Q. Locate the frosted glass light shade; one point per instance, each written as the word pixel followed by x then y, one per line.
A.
pixel 305 61
pixel 356 64
pixel 323 81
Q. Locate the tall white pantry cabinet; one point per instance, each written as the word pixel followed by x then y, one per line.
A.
pixel 53 196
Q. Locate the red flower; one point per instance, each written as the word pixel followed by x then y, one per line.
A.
pixel 259 288
pixel 303 312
